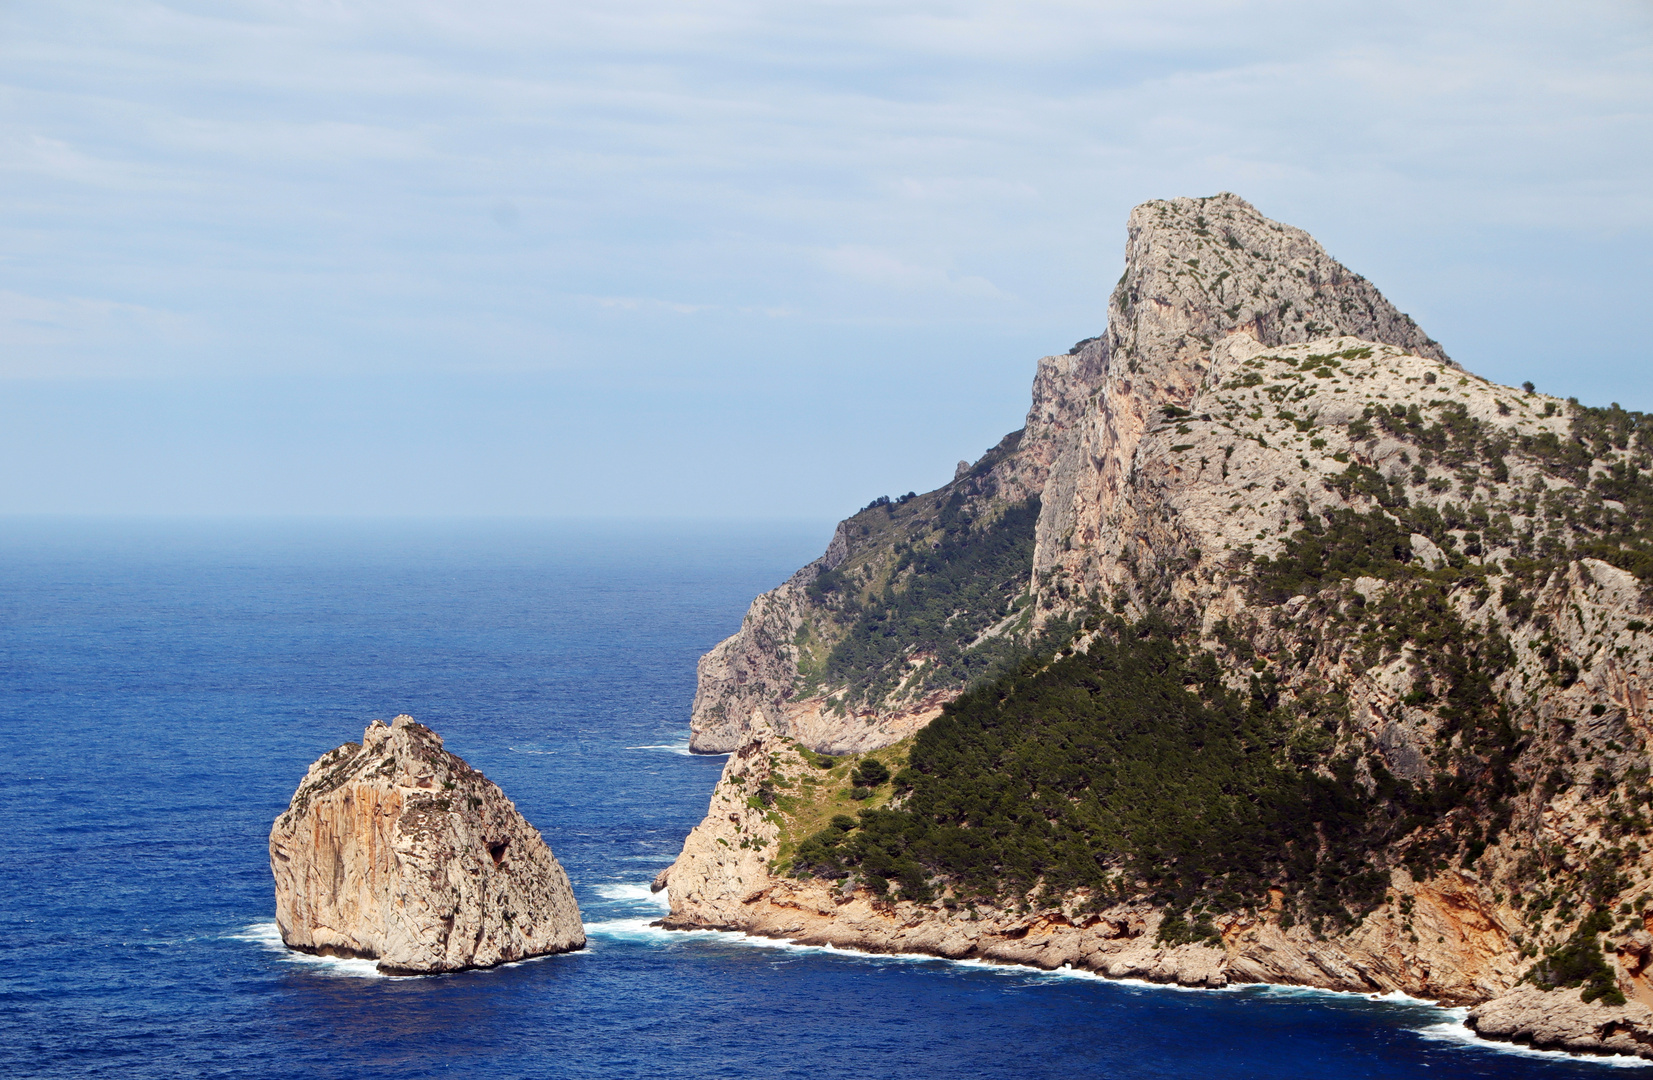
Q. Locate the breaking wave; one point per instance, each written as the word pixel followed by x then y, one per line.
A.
pixel 634 892
pixel 267 936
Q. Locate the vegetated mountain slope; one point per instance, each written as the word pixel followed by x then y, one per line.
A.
pixel 1334 671
pixel 924 595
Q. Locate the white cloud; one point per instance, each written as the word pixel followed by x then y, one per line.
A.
pixel 409 186
pixel 885 270
pixel 79 337
pixel 643 303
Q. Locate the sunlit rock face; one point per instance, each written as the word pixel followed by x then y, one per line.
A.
pixel 395 850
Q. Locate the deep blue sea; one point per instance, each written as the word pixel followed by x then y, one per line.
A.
pixel 164 686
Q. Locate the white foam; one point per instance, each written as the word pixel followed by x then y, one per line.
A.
pixel 1454 1030
pixel 1449 1023
pixel 632 930
pixel 644 930
pixel 634 892
pixel 268 936
pixel 680 748
pixel 527 750
pixel 1138 984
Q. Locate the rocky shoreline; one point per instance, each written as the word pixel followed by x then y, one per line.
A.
pixel 1441 940
pixel 1117 944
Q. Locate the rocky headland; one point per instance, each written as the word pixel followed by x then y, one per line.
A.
pixel 1274 648
pixel 396 850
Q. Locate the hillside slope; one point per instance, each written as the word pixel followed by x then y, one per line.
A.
pixel 1326 667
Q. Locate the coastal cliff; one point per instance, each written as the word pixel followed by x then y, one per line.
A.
pixel 396 850
pixel 1275 647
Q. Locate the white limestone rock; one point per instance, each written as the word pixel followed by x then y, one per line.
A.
pixel 396 850
pixel 1248 386
pixel 1562 1020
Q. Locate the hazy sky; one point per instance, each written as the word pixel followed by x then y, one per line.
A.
pixel 736 259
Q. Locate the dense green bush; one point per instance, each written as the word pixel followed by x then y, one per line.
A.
pixel 1124 769
pixel 1579 962
pixel 870 773
pixel 1347 545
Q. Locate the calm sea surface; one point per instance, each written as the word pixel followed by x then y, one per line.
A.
pixel 163 688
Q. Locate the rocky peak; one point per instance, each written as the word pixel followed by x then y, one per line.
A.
pixel 1196 272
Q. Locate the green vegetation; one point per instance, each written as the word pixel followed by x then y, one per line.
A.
pixel 1579 961
pixel 808 799
pixel 1344 545
pixel 1133 770
pixel 1606 459
pixel 871 773
pixel 1453 662
pixel 1127 770
pixel 942 593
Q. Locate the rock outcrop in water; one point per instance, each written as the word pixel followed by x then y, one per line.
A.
pixel 1414 599
pixel 396 850
pixel 1561 1020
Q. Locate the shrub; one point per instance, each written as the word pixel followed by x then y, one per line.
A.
pixel 940 599
pixel 870 773
pixel 1132 756
pixel 1579 962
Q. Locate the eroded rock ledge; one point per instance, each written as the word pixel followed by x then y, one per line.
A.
pixel 1561 1020
pixel 1447 938
pixel 396 850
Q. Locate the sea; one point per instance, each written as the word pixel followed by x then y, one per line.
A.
pixel 165 684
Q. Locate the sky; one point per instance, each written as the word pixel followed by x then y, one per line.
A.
pixel 728 259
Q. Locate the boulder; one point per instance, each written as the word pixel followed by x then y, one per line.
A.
pixel 396 850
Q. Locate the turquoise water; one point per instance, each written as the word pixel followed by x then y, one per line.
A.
pixel 164 686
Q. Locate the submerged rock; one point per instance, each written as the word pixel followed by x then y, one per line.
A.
pixel 396 850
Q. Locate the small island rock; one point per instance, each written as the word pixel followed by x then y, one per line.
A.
pixel 396 850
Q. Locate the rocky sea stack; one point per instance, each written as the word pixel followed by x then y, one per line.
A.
pixel 396 850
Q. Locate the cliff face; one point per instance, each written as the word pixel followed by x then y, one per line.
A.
pixel 396 850
pixel 1197 271
pixel 787 665
pixel 1421 593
